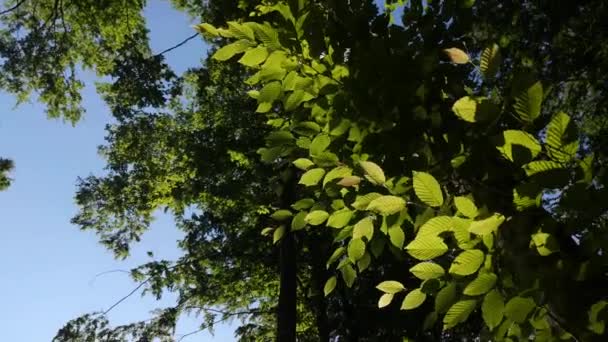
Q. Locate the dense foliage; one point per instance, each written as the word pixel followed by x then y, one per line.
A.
pixel 338 176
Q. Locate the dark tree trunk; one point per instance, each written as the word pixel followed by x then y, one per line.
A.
pixel 319 276
pixel 286 313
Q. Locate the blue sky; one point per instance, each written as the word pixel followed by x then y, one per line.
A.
pixel 48 264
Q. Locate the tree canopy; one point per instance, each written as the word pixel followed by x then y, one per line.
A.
pixel 340 177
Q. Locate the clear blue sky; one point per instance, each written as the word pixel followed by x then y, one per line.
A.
pixel 47 263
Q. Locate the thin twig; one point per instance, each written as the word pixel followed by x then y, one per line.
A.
pixel 177 45
pixel 106 272
pixel 12 8
pixel 127 296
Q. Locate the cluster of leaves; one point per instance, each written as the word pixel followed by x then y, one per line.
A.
pixel 6 165
pixel 306 98
pixel 375 148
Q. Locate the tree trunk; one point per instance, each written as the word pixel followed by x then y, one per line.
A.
pixel 286 313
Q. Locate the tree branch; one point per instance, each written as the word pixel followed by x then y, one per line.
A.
pixel 17 5
pixel 177 45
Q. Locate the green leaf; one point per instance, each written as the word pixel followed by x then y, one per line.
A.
pixel 435 226
pixel 281 215
pixel 316 217
pixel 466 207
pixel 373 172
pixel 319 144
pixel 397 236
pixel 562 144
pixel 335 255
pixel 539 166
pixel 465 108
pixel 362 202
pixel 460 228
pixel 228 51
pixel 528 103
pixel 303 204
pixel 266 231
pixel 385 300
pixel 364 228
pixel 457 56
pixel 545 243
pixel 330 285
pixel 240 31
pixel 340 218
pixel 427 270
pixel 486 226
pixel 270 92
pixel 492 309
pixel 597 325
pixel 490 61
pixel 430 320
pixel 458 313
pixel 387 205
pixel 254 57
pixel 356 249
pixel 349 275
pixel 480 285
pixel 312 177
pixel 296 98
pixel 518 308
pixel 467 262
pixel 299 221
pixel 207 28
pixel 325 159
pixel 267 35
pixel 413 299
pixel 364 262
pixel 337 172
pixel 426 248
pixel 519 146
pixel 278 234
pixel 427 189
pixel 445 298
pixel 390 286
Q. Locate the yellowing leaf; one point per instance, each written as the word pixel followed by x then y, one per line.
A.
pixel 312 177
pixel 467 262
pixel 413 299
pixel 373 172
pixel 457 56
pixel 427 270
pixel 427 189
pixel 387 205
pixel 316 217
pixel 337 172
pixel 350 181
pixel 390 286
pixel 319 144
pixel 426 248
pixel 466 207
pixel 385 300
